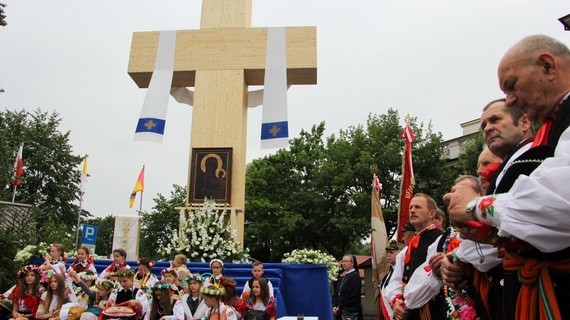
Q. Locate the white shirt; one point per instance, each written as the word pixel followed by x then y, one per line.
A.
pixel 177 312
pixel 200 311
pixel 537 208
pixel 246 288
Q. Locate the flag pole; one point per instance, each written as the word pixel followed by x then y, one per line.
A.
pixel 142 192
pixel 140 204
pixel 14 193
pixel 83 178
pixel 78 219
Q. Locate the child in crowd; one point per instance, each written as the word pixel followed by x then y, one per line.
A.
pixel 119 262
pixel 257 272
pixel 101 298
pixel 165 304
pixel 217 310
pixel 128 294
pixel 217 268
pixel 260 305
pixel 144 278
pixel 55 259
pixel 83 261
pixel 53 298
pixel 170 276
pixel 194 305
pixel 84 283
pixel 230 297
pixel 26 295
pixel 179 264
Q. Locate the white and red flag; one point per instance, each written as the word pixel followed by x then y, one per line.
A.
pixel 18 167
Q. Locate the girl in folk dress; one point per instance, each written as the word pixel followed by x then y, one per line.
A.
pixel 217 268
pixel 83 261
pixel 217 310
pixel 53 299
pixel 260 304
pixel 26 295
pixel 119 262
pixel 104 288
pixel 165 304
pixel 55 259
pixel 84 282
pixel 231 298
pixel 170 276
pixel 144 278
pixel 194 305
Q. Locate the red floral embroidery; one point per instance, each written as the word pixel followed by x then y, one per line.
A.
pixel 487 206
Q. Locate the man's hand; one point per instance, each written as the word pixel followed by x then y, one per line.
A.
pixel 435 264
pixel 453 276
pixel 456 201
pixel 400 313
pixel 336 311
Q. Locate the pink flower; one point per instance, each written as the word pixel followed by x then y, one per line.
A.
pixel 458 300
pixel 468 313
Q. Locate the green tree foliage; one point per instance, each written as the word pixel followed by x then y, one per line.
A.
pixel 51 174
pixel 3 22
pixel 8 268
pixel 317 194
pixel 155 225
pixel 106 228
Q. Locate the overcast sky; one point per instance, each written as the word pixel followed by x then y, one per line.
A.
pixel 435 60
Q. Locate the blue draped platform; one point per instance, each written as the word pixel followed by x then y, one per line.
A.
pixel 298 288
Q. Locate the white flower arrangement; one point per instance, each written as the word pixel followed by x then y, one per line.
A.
pixel 205 235
pixel 314 257
pixel 23 256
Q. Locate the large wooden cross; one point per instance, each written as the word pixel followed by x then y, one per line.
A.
pixel 220 60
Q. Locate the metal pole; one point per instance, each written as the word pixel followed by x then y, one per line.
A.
pixel 14 193
pixel 78 221
pixel 140 205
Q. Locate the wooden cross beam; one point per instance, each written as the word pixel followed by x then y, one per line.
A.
pixel 220 60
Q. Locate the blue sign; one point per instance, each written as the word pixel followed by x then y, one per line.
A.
pixel 89 234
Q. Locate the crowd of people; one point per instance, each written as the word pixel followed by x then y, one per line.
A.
pixel 506 254
pixel 78 292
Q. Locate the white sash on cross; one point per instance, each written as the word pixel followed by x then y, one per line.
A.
pixel 152 120
pixel 274 126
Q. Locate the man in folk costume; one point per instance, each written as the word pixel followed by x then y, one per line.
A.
pixel 508 135
pixel 425 285
pixel 422 214
pixel 392 251
pixel 531 218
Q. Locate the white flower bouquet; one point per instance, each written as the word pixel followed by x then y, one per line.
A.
pixel 23 256
pixel 314 257
pixel 205 235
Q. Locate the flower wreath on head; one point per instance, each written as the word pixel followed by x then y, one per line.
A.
pixel 149 263
pixel 169 270
pixel 194 277
pixel 125 273
pixel 162 286
pixel 29 268
pixel 105 284
pixel 213 289
pixel 87 276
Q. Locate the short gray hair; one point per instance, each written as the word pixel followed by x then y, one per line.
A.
pixel 475 182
